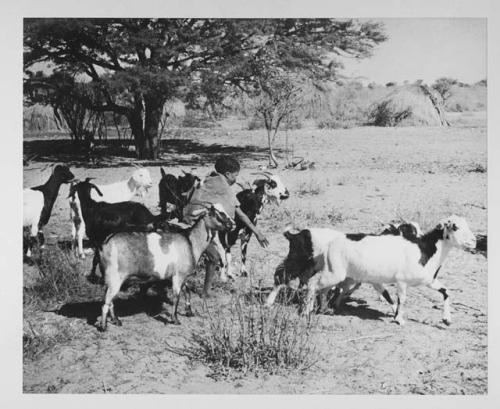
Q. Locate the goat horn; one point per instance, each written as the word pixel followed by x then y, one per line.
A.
pixel 261 173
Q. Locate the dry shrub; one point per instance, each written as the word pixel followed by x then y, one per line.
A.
pixel 310 188
pixel 39 340
pixel 197 119
pixel 60 277
pixel 248 337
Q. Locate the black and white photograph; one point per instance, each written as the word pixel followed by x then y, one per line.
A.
pixel 254 205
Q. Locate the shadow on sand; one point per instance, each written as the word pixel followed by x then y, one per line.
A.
pixel 174 152
pixel 289 296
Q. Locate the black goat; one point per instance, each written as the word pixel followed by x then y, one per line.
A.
pixel 102 218
pixel 175 193
pixel 251 203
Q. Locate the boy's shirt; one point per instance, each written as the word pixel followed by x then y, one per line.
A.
pixel 214 189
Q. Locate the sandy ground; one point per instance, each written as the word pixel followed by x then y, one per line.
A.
pixel 363 176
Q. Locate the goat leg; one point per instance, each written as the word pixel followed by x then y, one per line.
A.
pixel 210 269
pixel 177 286
pixel 244 239
pixel 436 285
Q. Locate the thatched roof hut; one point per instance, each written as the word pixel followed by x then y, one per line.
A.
pixel 39 117
pixel 414 105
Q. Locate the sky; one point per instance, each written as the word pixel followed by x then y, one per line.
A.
pixel 426 48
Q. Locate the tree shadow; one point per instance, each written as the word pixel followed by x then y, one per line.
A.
pixel 113 153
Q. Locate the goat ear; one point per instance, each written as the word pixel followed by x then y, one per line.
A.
pixel 96 189
pixel 163 174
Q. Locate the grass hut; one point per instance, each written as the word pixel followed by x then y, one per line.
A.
pixel 40 118
pixel 413 105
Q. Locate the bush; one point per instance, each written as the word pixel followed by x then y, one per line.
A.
pixel 248 337
pixel 59 278
pixel 332 123
pixel 37 341
pixel 255 123
pixel 311 188
pixel 195 119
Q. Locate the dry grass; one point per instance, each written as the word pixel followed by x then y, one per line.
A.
pixel 246 337
pixel 60 275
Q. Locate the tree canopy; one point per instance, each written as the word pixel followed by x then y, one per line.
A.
pixel 136 65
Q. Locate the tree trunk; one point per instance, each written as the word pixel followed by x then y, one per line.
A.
pixel 273 162
pixel 151 124
pixel 135 120
pixel 145 131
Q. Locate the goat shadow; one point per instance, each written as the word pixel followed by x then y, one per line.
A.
pixel 292 297
pixel 124 307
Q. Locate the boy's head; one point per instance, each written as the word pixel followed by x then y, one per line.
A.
pixel 229 167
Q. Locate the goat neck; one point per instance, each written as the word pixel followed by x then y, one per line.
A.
pixel 260 193
pixel 434 249
pixel 50 190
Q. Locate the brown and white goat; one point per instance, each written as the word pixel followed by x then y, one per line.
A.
pixel 157 256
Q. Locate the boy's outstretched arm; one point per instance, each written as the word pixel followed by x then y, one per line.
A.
pixel 260 237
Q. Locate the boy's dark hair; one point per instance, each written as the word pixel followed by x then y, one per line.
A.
pixel 226 164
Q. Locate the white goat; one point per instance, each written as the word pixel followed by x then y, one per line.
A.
pixel 307 255
pixel 393 259
pixel 137 185
pixel 158 256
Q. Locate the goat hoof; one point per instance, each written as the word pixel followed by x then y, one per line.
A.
pixel 100 326
pixel 176 321
pixel 400 321
pixel 189 313
pixel 93 279
pixel 116 322
pixel 244 274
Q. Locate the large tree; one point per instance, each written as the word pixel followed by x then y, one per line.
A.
pixel 138 64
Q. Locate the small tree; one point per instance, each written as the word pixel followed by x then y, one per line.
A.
pixel 278 99
pixel 443 86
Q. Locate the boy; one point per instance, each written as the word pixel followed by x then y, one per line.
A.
pixel 217 188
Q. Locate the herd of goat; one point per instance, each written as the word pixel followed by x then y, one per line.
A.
pixel 131 243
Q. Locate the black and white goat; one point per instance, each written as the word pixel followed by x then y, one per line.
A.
pixel 175 192
pixel 137 185
pixel 158 256
pixel 307 254
pixel 38 203
pixel 102 218
pixel 252 201
pixel 387 259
